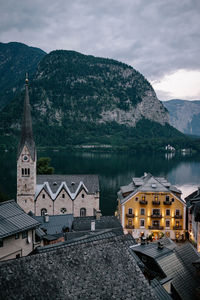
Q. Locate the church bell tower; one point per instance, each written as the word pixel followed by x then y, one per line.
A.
pixel 26 159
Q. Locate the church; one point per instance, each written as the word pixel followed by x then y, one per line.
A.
pixel 50 194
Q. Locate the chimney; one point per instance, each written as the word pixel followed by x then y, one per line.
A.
pixel 93 225
pixel 98 214
pixel 46 218
pixel 160 245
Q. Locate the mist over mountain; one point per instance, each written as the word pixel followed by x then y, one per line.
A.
pixel 184 115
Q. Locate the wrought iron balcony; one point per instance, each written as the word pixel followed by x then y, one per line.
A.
pixel 177 227
pixel 156 216
pixel 156 227
pixel 130 215
pixel 154 202
pixel 144 202
pixel 178 217
pixel 167 202
pixel 129 226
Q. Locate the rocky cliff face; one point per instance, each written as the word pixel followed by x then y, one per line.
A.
pixel 184 115
pixel 94 89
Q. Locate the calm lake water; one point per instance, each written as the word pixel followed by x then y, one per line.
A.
pixel 114 170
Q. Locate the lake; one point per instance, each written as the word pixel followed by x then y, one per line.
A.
pixel 114 170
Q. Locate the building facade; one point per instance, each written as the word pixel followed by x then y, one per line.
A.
pixel 52 194
pixel 193 218
pixel 151 206
pixel 17 231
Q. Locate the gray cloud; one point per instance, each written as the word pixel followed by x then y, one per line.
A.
pixel 155 37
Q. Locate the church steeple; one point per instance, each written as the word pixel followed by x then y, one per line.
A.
pixel 27 131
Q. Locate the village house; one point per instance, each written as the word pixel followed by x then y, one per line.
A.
pixel 193 217
pixel 17 231
pixel 152 207
pixel 52 194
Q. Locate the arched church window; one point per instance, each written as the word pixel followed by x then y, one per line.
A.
pixel 82 195
pixel 43 196
pixel 25 171
pixel 83 212
pixel 63 195
pixel 43 211
pixel 28 171
pixel 22 172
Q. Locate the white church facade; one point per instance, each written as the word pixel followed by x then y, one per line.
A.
pixel 51 194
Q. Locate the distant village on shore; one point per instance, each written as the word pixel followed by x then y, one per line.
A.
pixel 56 244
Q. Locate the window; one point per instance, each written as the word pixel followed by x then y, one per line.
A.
pixel 24 234
pixel 82 195
pixel 43 196
pixel 18 256
pixel 63 210
pixel 167 224
pixel 172 199
pixel 156 223
pixel 63 195
pixel 25 171
pixel 82 212
pixel 167 212
pixel 130 211
pixel 1 243
pixel 22 172
pixel 16 236
pixel 136 199
pixel 130 223
pixel 28 171
pixel 143 198
pixel 142 223
pixel 167 198
pixel 177 212
pixel 43 211
pixel 142 211
pixel 156 211
pixel 177 223
pixel 156 198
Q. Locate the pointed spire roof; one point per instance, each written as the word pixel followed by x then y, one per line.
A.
pixel 26 129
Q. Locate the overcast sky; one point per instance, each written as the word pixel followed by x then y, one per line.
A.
pixel 159 38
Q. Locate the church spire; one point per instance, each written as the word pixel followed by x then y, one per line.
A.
pixel 26 129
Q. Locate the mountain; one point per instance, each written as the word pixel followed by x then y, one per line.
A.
pixel 16 59
pixel 78 99
pixel 184 115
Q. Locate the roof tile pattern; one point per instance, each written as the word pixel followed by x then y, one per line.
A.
pixel 102 269
pixel 13 219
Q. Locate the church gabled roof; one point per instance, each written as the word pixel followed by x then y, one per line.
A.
pixel 26 129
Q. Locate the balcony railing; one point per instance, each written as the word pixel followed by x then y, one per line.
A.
pixel 129 226
pixel 156 216
pixel 177 227
pixel 130 215
pixel 178 217
pixel 156 227
pixel 143 202
pixel 154 202
pixel 167 202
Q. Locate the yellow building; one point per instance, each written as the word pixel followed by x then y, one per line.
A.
pixel 151 206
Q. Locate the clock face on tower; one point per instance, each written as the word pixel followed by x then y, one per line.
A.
pixel 25 158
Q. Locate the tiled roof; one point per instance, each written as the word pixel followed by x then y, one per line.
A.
pixel 147 183
pixel 102 269
pixel 159 290
pixel 105 222
pixel 53 184
pixel 56 223
pixel 13 219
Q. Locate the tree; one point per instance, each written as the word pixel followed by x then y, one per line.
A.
pixel 43 166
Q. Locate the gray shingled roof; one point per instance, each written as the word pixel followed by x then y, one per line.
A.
pixel 91 182
pixel 103 269
pixel 159 290
pixel 105 222
pixel 13 219
pixel 147 183
pixel 56 223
